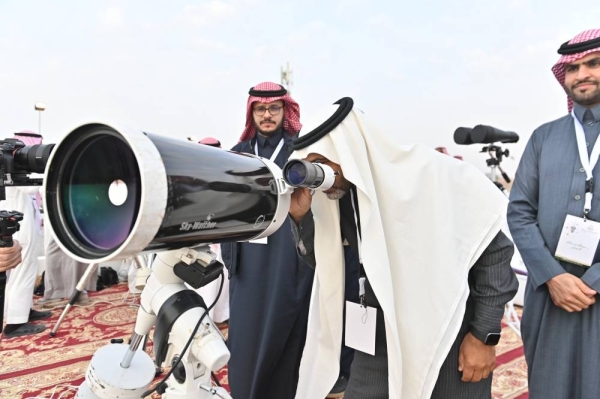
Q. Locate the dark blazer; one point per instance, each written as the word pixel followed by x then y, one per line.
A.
pixel 230 250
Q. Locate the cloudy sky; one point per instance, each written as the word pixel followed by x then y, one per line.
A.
pixel 181 68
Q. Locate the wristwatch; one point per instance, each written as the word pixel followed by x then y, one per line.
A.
pixel 490 339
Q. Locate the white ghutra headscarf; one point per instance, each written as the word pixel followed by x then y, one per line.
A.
pixel 426 218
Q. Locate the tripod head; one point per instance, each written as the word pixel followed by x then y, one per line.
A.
pixel 9 225
pixel 496 154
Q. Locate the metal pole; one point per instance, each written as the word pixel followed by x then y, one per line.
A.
pixel 136 339
pixel 91 269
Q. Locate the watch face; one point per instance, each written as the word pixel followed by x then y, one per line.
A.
pixel 492 339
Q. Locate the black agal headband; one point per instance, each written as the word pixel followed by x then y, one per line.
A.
pixel 566 48
pixel 345 106
pixel 268 93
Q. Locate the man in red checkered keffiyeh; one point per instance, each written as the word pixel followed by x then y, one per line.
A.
pixel 269 284
pixel 554 188
pixel 264 96
pixel 581 89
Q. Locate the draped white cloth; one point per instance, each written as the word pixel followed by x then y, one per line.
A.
pixel 426 218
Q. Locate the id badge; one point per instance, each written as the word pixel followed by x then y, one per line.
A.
pixel 578 241
pixel 360 327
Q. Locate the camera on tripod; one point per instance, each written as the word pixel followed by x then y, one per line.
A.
pixel 17 162
pixel 482 134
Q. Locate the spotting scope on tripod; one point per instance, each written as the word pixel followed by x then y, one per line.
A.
pixel 482 134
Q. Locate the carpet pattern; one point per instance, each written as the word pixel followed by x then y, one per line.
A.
pixel 40 366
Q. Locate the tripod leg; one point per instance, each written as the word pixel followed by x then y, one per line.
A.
pixel 2 292
pixel 139 262
pixel 145 342
pixel 89 272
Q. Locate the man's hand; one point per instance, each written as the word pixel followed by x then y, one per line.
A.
pixel 476 360
pixel 10 257
pixel 300 204
pixel 571 293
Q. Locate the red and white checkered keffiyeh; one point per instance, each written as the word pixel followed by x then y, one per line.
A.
pixel 211 141
pixel 29 137
pixel 291 120
pixel 559 68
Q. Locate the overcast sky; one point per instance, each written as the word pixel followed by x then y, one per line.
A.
pixel 181 68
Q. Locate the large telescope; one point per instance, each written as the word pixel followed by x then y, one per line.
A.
pixel 113 192
pixel 482 134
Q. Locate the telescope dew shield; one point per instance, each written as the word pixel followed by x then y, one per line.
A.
pixel 113 193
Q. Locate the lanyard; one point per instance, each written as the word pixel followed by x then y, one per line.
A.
pixel 588 163
pixel 358 238
pixel 361 280
pixel 275 153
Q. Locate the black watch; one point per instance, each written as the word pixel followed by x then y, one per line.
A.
pixel 490 339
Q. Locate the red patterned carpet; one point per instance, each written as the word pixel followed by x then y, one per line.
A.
pixel 43 367
pixel 510 376
pixel 39 366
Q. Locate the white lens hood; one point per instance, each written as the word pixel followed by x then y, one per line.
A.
pixel 153 199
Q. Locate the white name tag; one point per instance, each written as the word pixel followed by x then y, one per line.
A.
pixel 259 241
pixel 360 327
pixel 578 241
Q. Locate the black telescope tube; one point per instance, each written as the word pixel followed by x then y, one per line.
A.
pixel 483 134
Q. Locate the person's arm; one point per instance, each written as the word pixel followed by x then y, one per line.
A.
pixel 493 284
pixel 592 277
pixel 522 219
pixel 10 257
pixel 303 224
pixel 304 236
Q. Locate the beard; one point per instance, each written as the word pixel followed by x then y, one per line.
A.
pixel 336 194
pixel 277 129
pixel 589 98
pixel 338 190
